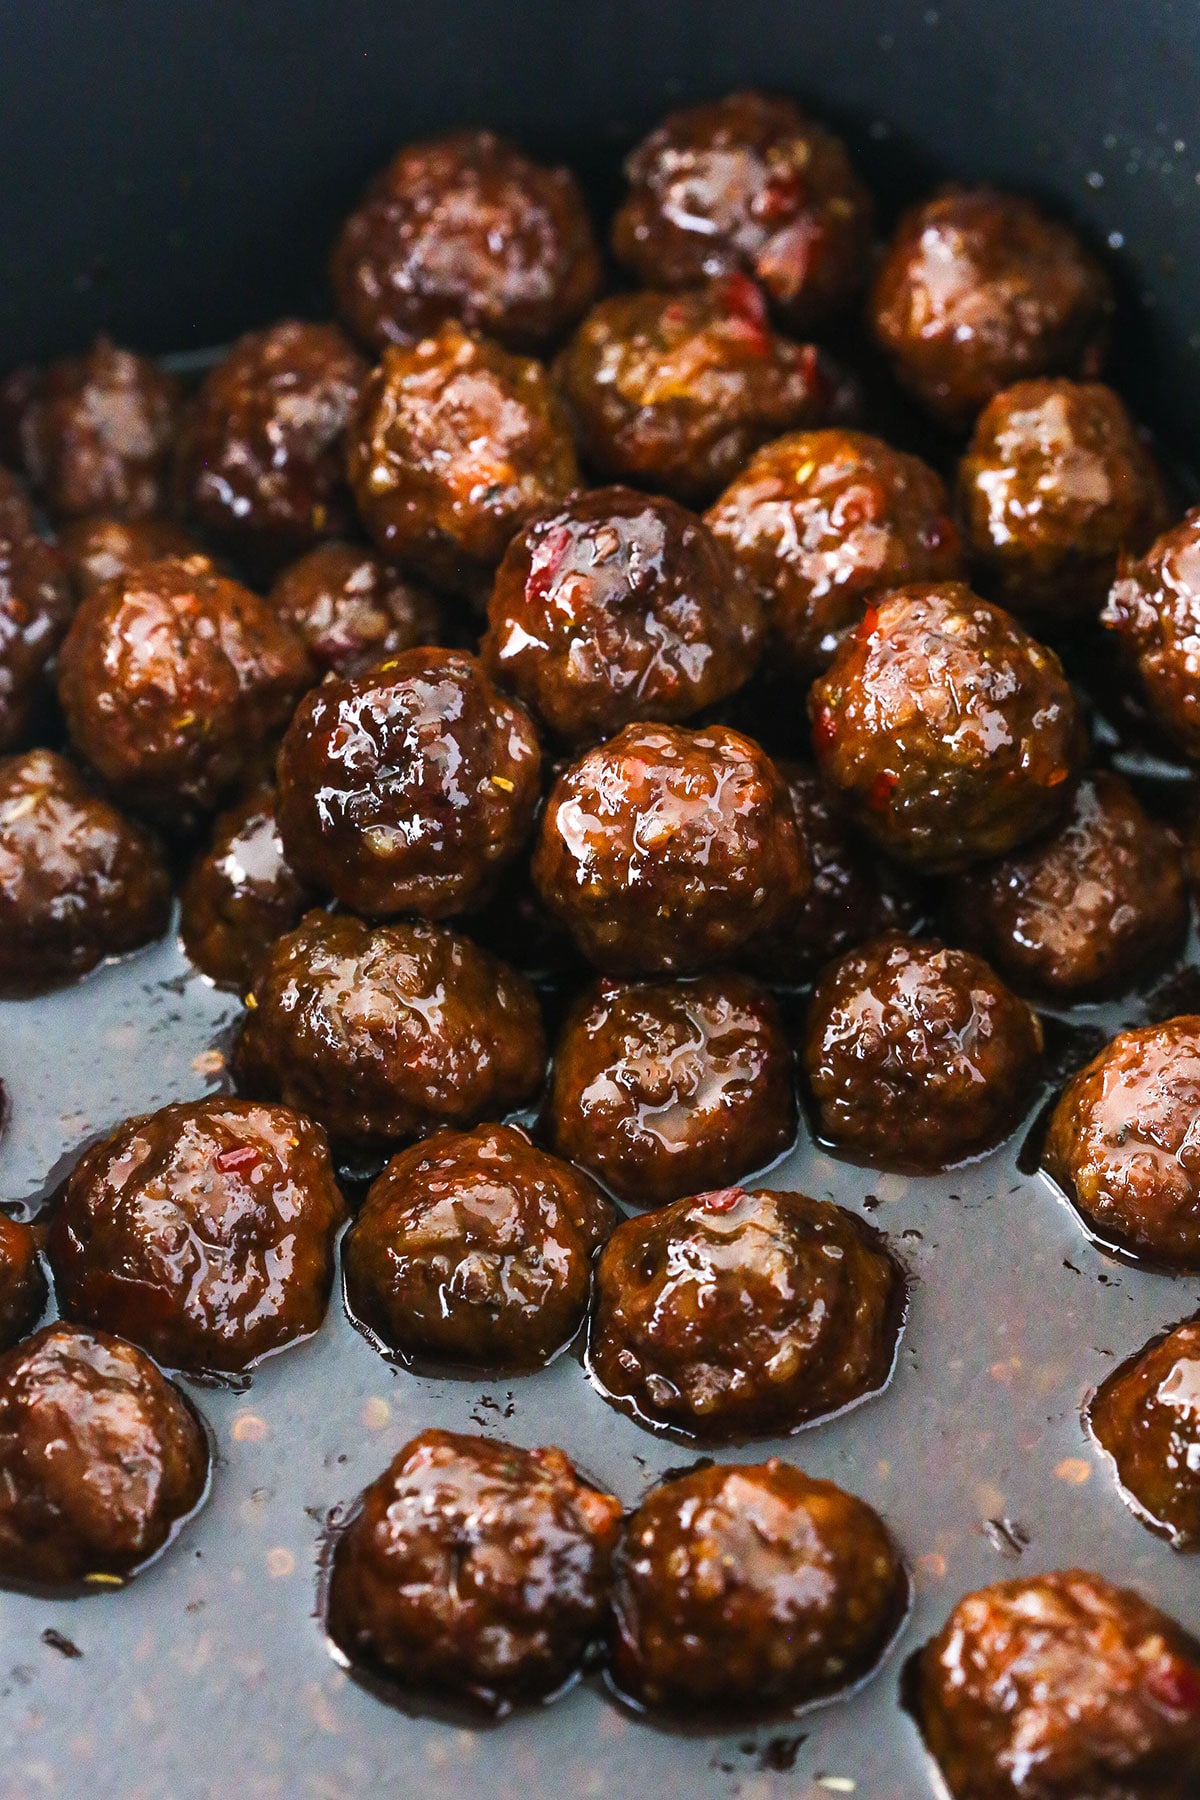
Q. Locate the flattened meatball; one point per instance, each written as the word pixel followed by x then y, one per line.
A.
pixel 383 1034
pixel 750 1589
pixel 103 548
pixel 917 1056
pixel 408 788
pixel 262 456
pixel 456 444
pixel 1147 1417
pixel 477 1247
pixel 618 608
pixel 173 679
pixel 241 895
pixel 675 392
pixel 1086 911
pixel 820 520
pixel 666 1088
pixel 203 1232
pixel 22 1283
pixel 978 290
pixel 1122 1143
pixel 36 603
pixel 473 1569
pixel 1154 609
pixel 77 881
pixel 948 733
pixel 101 1458
pixel 352 610
pixel 98 433
pixel 1058 1686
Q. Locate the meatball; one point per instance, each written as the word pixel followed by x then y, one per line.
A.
pixel 751 1589
pixel 1154 609
pixel 457 442
pixel 1061 1685
pixel 98 433
pixel 408 788
pixel 77 881
pixel 979 290
pixel 617 608
pixel 383 1034
pixel 173 678
pixel 352 610
pixel 820 520
pixel 36 603
pixel 917 1056
pixel 947 732
pixel 203 1232
pixel 22 1283
pixel 675 392
pixel 664 1088
pixel 666 850
pixel 103 548
pixel 241 895
pixel 730 1315
pixel 1083 912
pixel 476 1247
pixel 1122 1144
pixel 1147 1417
pixel 474 1570
pixel 101 1458
pixel 262 456
pixel 748 183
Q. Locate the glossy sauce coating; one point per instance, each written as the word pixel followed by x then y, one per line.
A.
pixel 1147 1417
pixel 102 547
pixel 98 432
pixel 36 603
pixel 240 895
pixel 352 610
pixel 22 1282
pixel 1154 610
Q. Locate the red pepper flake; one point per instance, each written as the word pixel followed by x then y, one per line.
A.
pixel 242 1156
pixel 546 562
pixel 721 1200
pixel 880 792
pixel 781 194
pixel 868 625
pixel 1175 1685
pixel 747 310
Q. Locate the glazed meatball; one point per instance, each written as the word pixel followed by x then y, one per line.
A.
pixel 947 732
pixel 979 290
pixel 173 678
pixel 456 444
pixel 917 1056
pixel 1147 1417
pixel 16 513
pixel 101 1458
pixel 262 457
pixel 1154 609
pixel 1122 1143
pixel 203 1232
pixel 675 392
pixel 383 1034
pixel 666 850
pixel 618 608
pixel 22 1283
pixel 352 610
pixel 408 788
pixel 665 1088
pixel 241 895
pixel 476 1247
pixel 104 548
pixel 473 1570
pixel 98 433
pixel 748 183
pixel 36 603
pixel 820 520
pixel 1061 1685
pixel 77 881
pixel 749 1590
pixel 1083 912
pixel 731 1315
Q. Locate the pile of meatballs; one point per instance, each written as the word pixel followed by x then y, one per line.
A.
pixel 565 723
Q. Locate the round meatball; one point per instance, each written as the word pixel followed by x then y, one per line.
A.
pixel 1154 609
pixel 947 732
pixel 820 520
pixel 1084 912
pixel 474 1570
pixel 173 678
pixel 744 1590
pixel 978 290
pixel 203 1232
pixel 917 1056
pixel 98 433
pixel 748 183
pixel 1147 1417
pixel 731 1315
pixel 262 456
pixel 352 610
pixel 476 1247
pixel 665 1088
pixel 666 850
pixel 618 608
pixel 22 1283
pixel 16 513
pixel 101 1458
pixel 1061 1685
pixel 241 895
pixel 36 603
pixel 1122 1144
pixel 77 881
pixel 675 392
pixel 457 442
pixel 104 548
pixel 383 1034
pixel 408 788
